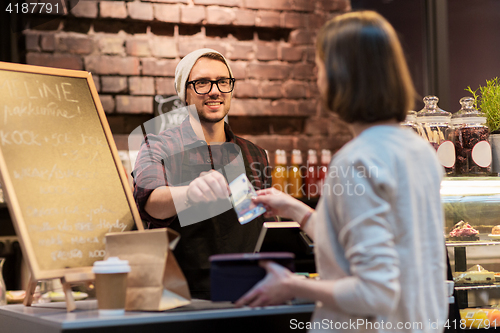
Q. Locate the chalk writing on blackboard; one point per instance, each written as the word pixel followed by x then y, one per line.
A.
pixel 63 177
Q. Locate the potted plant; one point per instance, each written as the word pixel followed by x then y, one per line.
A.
pixel 487 99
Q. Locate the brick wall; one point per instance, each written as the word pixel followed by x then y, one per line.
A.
pixel 132 48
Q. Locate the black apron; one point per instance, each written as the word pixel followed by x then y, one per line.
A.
pixel 215 235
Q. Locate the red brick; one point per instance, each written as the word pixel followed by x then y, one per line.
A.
pixel 66 61
pixel 282 107
pixel 77 45
pixel 86 9
pixel 114 84
pixel 273 142
pixel 220 16
pixel 317 126
pixel 310 54
pixel 267 51
pixel 113 9
pixel 302 37
pixel 304 5
pixel 294 20
pixel 303 72
pixel 111 44
pixel 268 4
pixel 140 11
pixel 48 42
pixel 141 85
pixel 188 45
pixel 317 20
pixel 246 89
pixel 266 18
pixel 165 47
pixel 217 45
pixel 167 13
pixel 271 89
pixel 192 15
pixel 239 69
pixel 109 65
pixel 313 90
pixel 337 5
pixel 308 107
pixel 244 17
pixel 291 53
pixel 32 42
pixel 169 1
pixel 317 142
pixel 138 47
pixel 134 104
pixel 248 107
pixel 227 3
pixel 295 89
pixel 165 86
pixel 251 125
pixel 97 82
pixel 155 67
pixel 267 71
pixel 241 51
pixel 121 140
pixel 108 103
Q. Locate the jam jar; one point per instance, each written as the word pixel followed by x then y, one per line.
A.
pixel 411 120
pixel 433 125
pixel 471 138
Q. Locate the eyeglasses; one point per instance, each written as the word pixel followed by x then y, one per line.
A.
pixel 202 87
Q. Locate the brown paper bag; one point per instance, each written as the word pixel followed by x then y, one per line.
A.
pixel 155 283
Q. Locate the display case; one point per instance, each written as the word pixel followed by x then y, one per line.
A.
pixel 475 201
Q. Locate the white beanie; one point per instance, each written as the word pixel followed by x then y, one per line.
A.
pixel 184 67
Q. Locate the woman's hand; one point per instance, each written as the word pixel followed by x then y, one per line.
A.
pixel 275 202
pixel 272 290
pixel 281 204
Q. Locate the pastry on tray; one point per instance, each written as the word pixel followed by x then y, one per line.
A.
pixel 15 296
pixel 475 275
pixel 495 230
pixel 463 231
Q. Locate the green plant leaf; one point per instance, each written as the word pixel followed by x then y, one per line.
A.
pixel 488 101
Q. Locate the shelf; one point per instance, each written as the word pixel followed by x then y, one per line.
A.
pixel 477 287
pixel 473 243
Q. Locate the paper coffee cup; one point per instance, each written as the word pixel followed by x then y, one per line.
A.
pixel 111 285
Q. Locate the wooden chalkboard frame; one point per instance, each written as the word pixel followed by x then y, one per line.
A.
pixel 66 274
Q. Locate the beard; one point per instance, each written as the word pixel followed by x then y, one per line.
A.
pixel 205 119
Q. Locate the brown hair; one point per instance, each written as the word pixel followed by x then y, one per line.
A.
pixel 368 78
pixel 217 56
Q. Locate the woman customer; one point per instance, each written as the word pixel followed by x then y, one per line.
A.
pixel 378 227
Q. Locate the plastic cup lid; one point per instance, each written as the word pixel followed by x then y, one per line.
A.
pixel 111 266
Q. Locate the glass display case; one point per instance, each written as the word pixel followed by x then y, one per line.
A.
pixel 475 263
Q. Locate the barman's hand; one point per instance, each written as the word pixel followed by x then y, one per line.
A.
pixel 209 186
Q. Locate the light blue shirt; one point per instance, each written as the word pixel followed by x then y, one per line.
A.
pixel 379 234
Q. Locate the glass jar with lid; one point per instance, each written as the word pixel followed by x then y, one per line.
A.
pixel 433 125
pixel 471 135
pixel 411 120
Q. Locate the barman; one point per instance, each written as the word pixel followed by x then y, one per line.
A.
pixel 181 175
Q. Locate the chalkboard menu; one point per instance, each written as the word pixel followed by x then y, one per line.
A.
pixel 63 180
